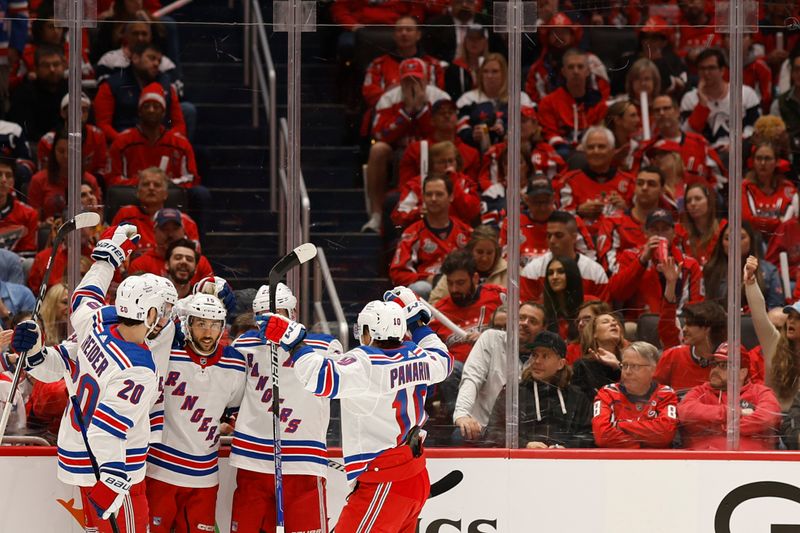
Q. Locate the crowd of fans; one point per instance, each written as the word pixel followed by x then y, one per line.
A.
pixel 624 234
pixel 138 162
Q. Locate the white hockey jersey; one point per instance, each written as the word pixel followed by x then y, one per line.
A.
pixel 115 382
pixel 304 417
pixel 382 391
pixel 197 392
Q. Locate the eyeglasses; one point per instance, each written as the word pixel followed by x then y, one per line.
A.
pixel 632 366
pixel 722 365
pixel 213 325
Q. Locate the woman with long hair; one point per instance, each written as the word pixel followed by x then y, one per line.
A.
pixel 552 412
pixel 55 308
pixel 768 198
pixel 483 111
pixel 643 77
pixel 779 347
pixel 699 228
pixel 622 118
pixel 715 273
pixel 462 74
pixel 602 342
pixel 489 262
pixel 563 295
pixel 48 188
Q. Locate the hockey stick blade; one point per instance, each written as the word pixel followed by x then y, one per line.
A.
pixel 87 219
pixel 302 254
pixel 445 484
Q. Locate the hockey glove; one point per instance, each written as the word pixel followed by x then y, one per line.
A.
pixel 281 330
pixel 107 494
pixel 28 338
pixel 220 288
pixel 415 310
pixel 116 244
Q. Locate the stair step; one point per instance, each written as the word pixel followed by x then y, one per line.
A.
pixel 234 155
pixel 235 199
pixel 228 93
pixel 242 175
pixel 254 219
pixel 244 134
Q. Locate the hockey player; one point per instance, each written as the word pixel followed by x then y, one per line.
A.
pixel 114 378
pixel 382 385
pixel 202 382
pixel 304 421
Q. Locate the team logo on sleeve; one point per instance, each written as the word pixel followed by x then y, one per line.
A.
pixel 461 240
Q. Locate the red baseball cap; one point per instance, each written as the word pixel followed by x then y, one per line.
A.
pixel 721 354
pixel 656 25
pixel 413 67
pixel 529 112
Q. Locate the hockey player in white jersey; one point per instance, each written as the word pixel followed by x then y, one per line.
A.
pixel 202 382
pixel 382 386
pixel 304 421
pixel 114 378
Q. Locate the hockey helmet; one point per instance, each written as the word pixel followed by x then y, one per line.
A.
pixel 207 307
pixel 284 299
pixel 136 295
pixel 166 289
pixel 384 320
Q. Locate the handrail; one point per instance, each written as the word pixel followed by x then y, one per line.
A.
pixel 322 272
pixel 24 440
pixel 263 85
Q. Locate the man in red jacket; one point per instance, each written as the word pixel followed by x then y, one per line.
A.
pixel 424 244
pixel 704 409
pixel 19 222
pixel 637 285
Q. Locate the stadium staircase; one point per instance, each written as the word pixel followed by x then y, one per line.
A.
pixel 243 239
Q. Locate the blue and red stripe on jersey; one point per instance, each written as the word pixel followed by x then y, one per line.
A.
pixel 327 379
pixel 297 451
pixel 88 292
pixel 157 420
pixel 111 422
pixel 174 460
pixel 79 462
pixel 354 465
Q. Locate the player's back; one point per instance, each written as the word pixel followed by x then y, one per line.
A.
pixel 304 417
pixel 115 383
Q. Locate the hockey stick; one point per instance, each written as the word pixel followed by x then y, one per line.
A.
pixel 298 256
pixel 81 220
pixel 440 487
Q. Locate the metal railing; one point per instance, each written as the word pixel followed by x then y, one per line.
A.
pixel 322 273
pixel 24 440
pixel 257 56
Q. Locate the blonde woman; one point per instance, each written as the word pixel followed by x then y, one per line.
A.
pixel 53 313
pixel 602 342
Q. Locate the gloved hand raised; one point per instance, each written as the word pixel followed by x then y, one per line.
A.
pixel 415 310
pixel 116 244
pixel 280 330
pixel 220 288
pixel 28 338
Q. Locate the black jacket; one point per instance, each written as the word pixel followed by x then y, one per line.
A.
pixel 36 109
pixel 546 414
pixel 591 376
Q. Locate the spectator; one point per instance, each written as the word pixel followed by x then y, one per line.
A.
pixel 575 98
pixel 704 409
pixel 625 231
pixel 14 298
pixel 19 222
pixel 94 148
pixel 539 205
pixel 383 73
pixel 150 144
pixel 756 73
pixel 151 191
pixel 116 104
pixel 403 114
pixel 483 111
pixel 700 161
pixel 13 37
pixel 444 121
pixel 562 239
pixel 484 373
pixel 780 348
pixel 587 311
pixel 636 286
pixel 492 181
pixel 169 229
pixel 447 34
pixel 643 77
pixel 14 146
pixel 697 32
pixel 445 161
pixel 622 119
pixel 425 243
pixel 59 268
pixel 35 104
pixel 602 341
pixel 135 32
pixel 705 109
pixel 181 265
pixel 116 13
pixel 355 14
pixel 600 188
pixel 770 129
pixel 563 294
pixel 552 413
pixel 699 228
pixel 655 45
pixel 768 198
pixel 705 326
pixel 561 37
pixel 637 412
pixel 461 75
pixel 786 239
pixel 469 304
pixel 48 189
pixel 492 269
pixel 787 105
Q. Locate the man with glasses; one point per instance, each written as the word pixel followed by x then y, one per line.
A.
pixel 204 381
pixel 705 110
pixel 704 409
